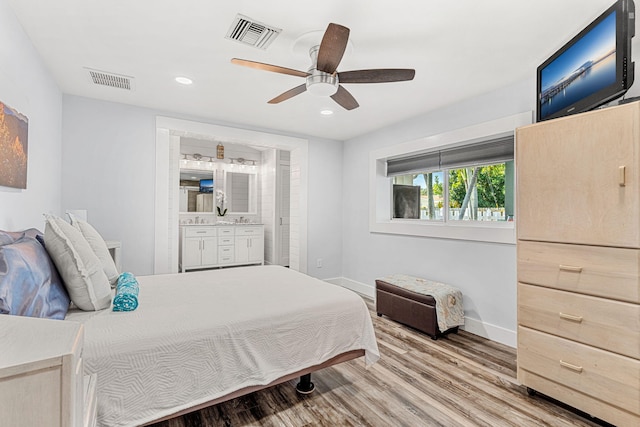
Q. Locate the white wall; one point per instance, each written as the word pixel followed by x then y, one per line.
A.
pixel 108 159
pixel 485 272
pixel 325 208
pixel 27 86
pixel 109 169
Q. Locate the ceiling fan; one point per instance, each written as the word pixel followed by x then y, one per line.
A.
pixel 323 78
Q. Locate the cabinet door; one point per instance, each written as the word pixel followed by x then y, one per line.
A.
pixel 191 252
pixel 256 249
pixel 577 178
pixel 242 249
pixel 209 250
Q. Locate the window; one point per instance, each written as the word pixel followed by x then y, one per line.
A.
pixel 454 185
pixel 429 190
pixel 469 183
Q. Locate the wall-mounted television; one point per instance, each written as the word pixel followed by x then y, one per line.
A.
pixel 592 69
pixel 206 185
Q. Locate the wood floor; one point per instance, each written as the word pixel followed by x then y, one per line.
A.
pixel 458 380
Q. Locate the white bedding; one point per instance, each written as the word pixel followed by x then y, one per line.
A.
pixel 198 336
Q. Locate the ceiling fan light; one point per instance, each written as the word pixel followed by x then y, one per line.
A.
pixel 322 84
pixel 322 89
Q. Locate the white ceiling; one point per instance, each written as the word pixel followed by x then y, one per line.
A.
pixel 459 49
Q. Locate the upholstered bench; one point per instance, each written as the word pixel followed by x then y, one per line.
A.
pixel 431 307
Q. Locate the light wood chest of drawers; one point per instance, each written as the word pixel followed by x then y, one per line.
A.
pixel 578 225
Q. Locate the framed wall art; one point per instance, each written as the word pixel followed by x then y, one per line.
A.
pixel 13 147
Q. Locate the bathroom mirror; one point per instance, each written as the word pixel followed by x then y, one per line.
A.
pixel 197 189
pixel 241 194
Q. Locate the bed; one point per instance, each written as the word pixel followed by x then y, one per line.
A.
pixel 200 338
pixel 195 339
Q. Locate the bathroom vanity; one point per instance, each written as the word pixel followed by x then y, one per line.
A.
pixel 220 245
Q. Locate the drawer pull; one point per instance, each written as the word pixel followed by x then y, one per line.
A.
pixel 570 366
pixel 571 268
pixel 621 178
pixel 571 317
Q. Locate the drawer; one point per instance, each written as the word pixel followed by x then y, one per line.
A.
pixel 226 231
pixel 590 405
pixel 594 270
pixel 607 324
pixel 226 240
pixel 200 231
pixel 606 376
pixel 226 255
pixel 248 231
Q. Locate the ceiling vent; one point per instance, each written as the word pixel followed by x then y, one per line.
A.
pixel 104 78
pixel 250 32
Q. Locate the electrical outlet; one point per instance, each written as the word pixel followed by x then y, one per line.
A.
pixel 319 263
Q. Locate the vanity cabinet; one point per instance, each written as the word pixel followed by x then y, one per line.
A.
pixel 207 246
pixel 226 245
pixel 42 382
pixel 578 261
pixel 199 247
pixel 249 247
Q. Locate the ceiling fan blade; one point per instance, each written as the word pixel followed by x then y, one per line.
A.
pixel 345 99
pixel 289 94
pixel 332 47
pixel 269 67
pixel 382 75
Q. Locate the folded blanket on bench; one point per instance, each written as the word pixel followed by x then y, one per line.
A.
pixel 449 309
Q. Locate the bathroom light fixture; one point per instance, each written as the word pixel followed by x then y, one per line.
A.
pixel 196 161
pixel 184 80
pixel 242 163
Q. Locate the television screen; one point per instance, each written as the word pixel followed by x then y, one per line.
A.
pixel 592 69
pixel 206 185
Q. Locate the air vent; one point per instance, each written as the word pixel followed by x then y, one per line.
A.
pixel 250 32
pixel 104 78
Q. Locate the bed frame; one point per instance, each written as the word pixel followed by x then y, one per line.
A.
pixel 305 386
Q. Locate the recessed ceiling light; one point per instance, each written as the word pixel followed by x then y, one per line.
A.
pixel 326 112
pixel 184 80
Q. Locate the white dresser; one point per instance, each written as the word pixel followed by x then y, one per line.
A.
pixel 209 246
pixel 42 382
pixel 578 225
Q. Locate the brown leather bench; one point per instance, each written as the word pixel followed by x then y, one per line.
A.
pixel 409 308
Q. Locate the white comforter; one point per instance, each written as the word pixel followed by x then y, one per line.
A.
pixel 197 336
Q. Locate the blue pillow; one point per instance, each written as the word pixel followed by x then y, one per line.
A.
pixel 29 282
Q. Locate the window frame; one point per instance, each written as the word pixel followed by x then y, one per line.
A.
pixel 380 205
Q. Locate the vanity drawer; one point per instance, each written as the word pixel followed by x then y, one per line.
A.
pixel 248 231
pixel 226 231
pixel 595 270
pixel 200 231
pixel 226 254
pixel 226 240
pixel 597 373
pixel 603 323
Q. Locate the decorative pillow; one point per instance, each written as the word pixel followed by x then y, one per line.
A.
pixel 79 267
pixel 99 248
pixel 29 282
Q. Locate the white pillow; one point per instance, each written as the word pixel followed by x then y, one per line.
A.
pixel 99 248
pixel 78 265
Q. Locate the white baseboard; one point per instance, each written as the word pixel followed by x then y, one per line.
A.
pixel 474 326
pixel 489 331
pixel 360 288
